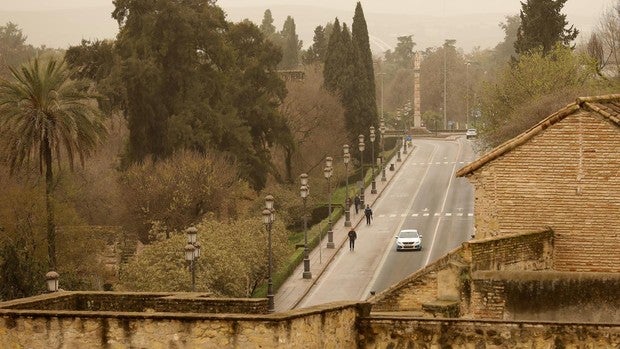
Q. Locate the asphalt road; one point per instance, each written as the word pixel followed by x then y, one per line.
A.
pixel 424 195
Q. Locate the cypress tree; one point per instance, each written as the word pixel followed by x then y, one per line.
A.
pixel 291 45
pixel 267 26
pixel 362 45
pixel 333 61
pixel 352 87
pixel 542 26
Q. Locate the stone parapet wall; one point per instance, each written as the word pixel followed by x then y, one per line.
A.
pixel 418 288
pixel 546 296
pixel 140 302
pixel 524 251
pixel 383 332
pixel 329 326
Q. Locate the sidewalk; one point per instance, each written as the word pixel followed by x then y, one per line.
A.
pixel 295 288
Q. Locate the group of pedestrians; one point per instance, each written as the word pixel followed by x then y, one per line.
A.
pixel 367 213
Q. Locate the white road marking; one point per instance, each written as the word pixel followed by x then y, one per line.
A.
pixel 448 214
pixel 392 215
pixel 389 246
pixel 470 215
pixel 414 215
pixel 459 214
pixel 437 214
pixel 426 215
pixel 443 207
pixel 403 215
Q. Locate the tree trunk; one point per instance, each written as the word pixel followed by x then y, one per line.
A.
pixel 51 228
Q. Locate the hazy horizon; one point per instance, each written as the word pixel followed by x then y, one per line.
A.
pixel 62 23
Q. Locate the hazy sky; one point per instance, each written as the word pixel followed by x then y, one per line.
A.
pixel 59 23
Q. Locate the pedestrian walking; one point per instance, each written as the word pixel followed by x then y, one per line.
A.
pixel 352 237
pixel 368 213
pixel 357 203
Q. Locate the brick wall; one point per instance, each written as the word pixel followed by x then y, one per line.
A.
pixel 546 296
pixel 383 332
pixel 566 178
pixel 526 251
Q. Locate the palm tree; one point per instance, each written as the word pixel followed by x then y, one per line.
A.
pixel 43 114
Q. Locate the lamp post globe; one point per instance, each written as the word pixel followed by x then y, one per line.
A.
pixel 51 281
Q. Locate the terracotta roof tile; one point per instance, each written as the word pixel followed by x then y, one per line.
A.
pixel 607 106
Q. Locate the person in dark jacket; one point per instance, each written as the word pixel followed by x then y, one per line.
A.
pixel 357 203
pixel 352 236
pixel 368 214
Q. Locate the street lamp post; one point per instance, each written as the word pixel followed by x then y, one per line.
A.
pixel 347 201
pixel 268 219
pixel 304 191
pixel 373 189
pixel 382 131
pixel 328 171
pixel 361 146
pixel 192 253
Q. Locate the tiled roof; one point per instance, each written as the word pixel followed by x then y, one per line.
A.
pixel 608 106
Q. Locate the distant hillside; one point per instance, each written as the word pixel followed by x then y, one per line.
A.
pixel 61 28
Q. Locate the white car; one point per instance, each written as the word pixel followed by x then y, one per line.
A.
pixel 408 239
pixel 471 133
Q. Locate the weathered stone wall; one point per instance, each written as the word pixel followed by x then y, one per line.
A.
pixel 385 332
pixel 328 326
pixel 565 178
pixel 420 287
pixel 140 302
pixel 546 296
pixel 526 251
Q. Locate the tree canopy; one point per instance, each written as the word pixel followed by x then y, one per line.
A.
pixel 192 80
pixel 543 25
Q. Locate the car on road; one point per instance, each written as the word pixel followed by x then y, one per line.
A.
pixel 408 239
pixel 471 133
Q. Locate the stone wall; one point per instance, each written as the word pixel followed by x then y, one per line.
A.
pixel 421 287
pixel 565 178
pixel 140 302
pixel 546 296
pixel 328 326
pixel 525 251
pixel 386 332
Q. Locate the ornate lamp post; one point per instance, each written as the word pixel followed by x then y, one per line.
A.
pixel 361 146
pixel 327 172
pixel 268 219
pixel 192 253
pixel 373 187
pixel 347 201
pixel 304 191
pixel 382 131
